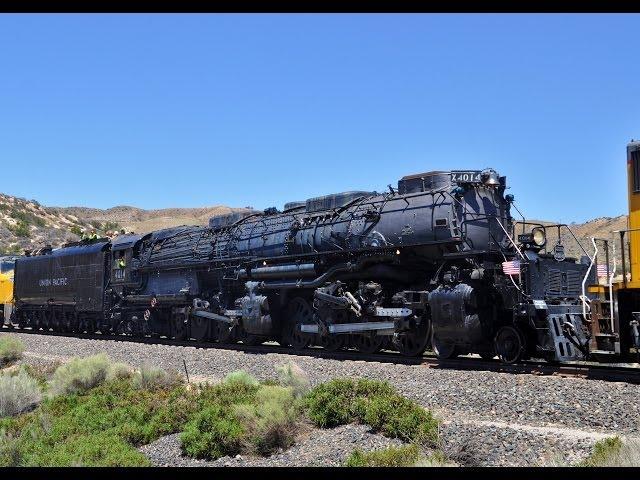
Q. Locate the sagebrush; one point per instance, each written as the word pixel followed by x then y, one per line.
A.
pixel 11 349
pixel 80 374
pixel 18 393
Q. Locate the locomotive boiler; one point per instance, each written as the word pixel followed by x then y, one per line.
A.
pixel 435 261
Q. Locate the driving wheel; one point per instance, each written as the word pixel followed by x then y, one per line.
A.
pixel 443 350
pixel 298 312
pixel 332 342
pixel 414 342
pixel 368 342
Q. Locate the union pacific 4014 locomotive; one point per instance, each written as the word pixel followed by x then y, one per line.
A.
pixel 434 262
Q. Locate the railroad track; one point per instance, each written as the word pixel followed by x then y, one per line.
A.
pixel 617 373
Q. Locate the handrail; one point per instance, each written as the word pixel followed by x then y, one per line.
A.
pixel 613 272
pixel 584 280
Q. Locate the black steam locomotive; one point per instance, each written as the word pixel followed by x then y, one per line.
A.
pixel 436 261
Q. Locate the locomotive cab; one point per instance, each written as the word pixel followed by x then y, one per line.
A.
pixel 121 259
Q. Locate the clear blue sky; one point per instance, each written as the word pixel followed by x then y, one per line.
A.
pixel 191 110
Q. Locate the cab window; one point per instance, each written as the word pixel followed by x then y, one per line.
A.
pixel 635 164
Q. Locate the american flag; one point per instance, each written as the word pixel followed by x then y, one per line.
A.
pixel 602 270
pixel 511 268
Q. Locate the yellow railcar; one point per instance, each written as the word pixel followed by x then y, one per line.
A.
pixel 6 287
pixel 615 312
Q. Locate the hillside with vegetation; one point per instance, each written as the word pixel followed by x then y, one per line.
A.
pixel 25 224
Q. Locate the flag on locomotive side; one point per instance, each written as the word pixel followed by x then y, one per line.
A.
pixel 511 268
pixel 602 270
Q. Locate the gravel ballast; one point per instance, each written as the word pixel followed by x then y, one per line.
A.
pixel 489 418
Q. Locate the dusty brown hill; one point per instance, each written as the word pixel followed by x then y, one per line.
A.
pixel 143 221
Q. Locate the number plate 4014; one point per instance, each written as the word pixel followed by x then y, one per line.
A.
pixel 467 176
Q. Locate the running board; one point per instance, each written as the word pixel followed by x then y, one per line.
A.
pixel 350 327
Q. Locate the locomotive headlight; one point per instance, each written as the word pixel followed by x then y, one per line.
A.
pixel 539 237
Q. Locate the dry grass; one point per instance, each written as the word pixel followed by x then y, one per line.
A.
pixel 151 377
pixel 291 375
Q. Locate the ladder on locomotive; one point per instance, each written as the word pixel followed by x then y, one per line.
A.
pixel 603 329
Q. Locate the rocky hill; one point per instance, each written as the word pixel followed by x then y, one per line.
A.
pixel 27 224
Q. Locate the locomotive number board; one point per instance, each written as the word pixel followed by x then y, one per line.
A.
pixel 466 176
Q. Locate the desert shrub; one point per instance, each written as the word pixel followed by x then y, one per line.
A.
pixel 76 230
pixel 374 403
pixel 80 374
pixel 27 218
pixel 119 371
pixel 240 377
pixel 614 452
pixel 341 401
pixel 212 433
pixel 98 427
pixel 291 375
pixel 151 377
pixel 11 349
pixel 398 417
pixel 18 393
pixel 226 393
pixel 239 415
pixel 402 456
pixel 94 449
pixel 271 422
pixel 20 229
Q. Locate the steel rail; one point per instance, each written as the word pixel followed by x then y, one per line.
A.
pixel 591 371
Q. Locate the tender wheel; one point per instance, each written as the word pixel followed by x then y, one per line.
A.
pixel 368 342
pixel 443 350
pixel 200 328
pixel 413 343
pixel 510 344
pixel 298 312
